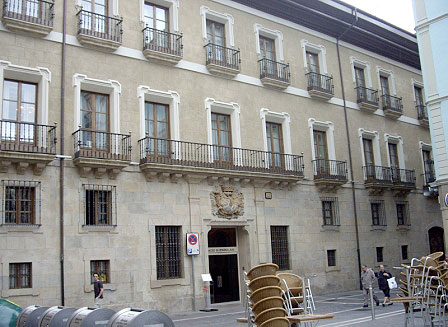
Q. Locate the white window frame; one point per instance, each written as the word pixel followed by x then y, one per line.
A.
pixel 375 137
pixel 428 147
pixel 226 19
pixel 170 98
pixel 173 12
pixel 328 128
pixel 390 76
pixel 113 7
pixel 398 140
pixel 276 35
pixel 365 65
pixel 39 75
pixel 321 55
pixel 419 84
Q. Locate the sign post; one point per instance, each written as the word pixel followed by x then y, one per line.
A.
pixel 192 250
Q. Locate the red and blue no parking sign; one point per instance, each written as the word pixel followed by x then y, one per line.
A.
pixel 192 243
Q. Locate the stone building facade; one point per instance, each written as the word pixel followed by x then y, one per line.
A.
pixel 148 120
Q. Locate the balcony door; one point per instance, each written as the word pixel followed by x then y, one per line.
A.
pixel 95 121
pixel 222 138
pixel 274 137
pixel 419 96
pixel 321 152
pixel 312 60
pixel 267 51
pixel 157 129
pixel 19 112
pixel 94 19
pixel 27 8
pixel 216 36
pixel 428 165
pixel 394 162
pixel 361 83
pixel 385 85
pixel 369 158
pixel 157 19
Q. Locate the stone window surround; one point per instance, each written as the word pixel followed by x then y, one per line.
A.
pixel 276 35
pixel 112 88
pixel 18 257
pixel 113 6
pixel 398 140
pixel 380 245
pixel 390 76
pixel 226 19
pixel 424 146
pixel 321 55
pixel 374 136
pixel 99 254
pixel 415 83
pixel 327 127
pixel 173 12
pixel 365 65
pixel 282 118
pixel 170 98
pixel 331 268
pixel 39 75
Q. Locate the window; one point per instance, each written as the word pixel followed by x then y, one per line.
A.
pixel 321 152
pixel 102 268
pixel 379 254
pixel 378 213
pixel 100 205
pixel 384 82
pixel 267 48
pixel 269 43
pixel 156 17
pixel 95 17
pixel 428 166
pixel 371 155
pixel 168 255
pixel 360 77
pixel 419 100
pixel 20 275
pixel 95 121
pixel 157 128
pixel 222 137
pixel 314 58
pixel 402 213
pixel 21 202
pixel 330 211
pixel 331 258
pixel 276 134
pixel 280 248
pixel 216 33
pixel 324 141
pixel 312 62
pixel 226 21
pixel 274 137
pixel 404 252
pixel 393 155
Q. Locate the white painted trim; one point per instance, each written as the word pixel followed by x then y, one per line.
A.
pixel 273 34
pixel 419 84
pixel 39 75
pixel 321 54
pixel 113 5
pixel 226 19
pixel 364 65
pixel 170 98
pixel 328 128
pixel 390 76
pixel 398 140
pixel 173 12
pixel 375 137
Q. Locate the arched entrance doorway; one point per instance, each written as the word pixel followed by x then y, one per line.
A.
pixel 436 241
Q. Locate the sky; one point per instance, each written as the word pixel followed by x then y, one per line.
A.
pixel 396 12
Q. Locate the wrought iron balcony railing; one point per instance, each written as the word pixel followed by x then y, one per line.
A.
pixel 392 103
pixel 403 177
pixel 422 113
pixel 222 56
pixel 180 153
pixel 162 41
pixel 31 11
pixel 330 169
pixel 274 70
pixel 100 26
pixel 366 95
pixel 102 145
pixel 27 137
pixel 377 174
pixel 320 82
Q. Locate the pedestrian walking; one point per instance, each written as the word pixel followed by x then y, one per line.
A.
pixel 98 290
pixel 383 285
pixel 367 279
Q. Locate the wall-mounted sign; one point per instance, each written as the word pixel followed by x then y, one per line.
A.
pixel 268 195
pixel 192 243
pixel 222 250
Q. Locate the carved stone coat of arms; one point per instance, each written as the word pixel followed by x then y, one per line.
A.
pixel 227 203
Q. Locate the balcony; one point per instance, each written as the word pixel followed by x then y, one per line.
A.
pixel 99 31
pixel 274 74
pixel 162 158
pixel 392 106
pixel 222 61
pixel 329 175
pixel 320 86
pixel 26 145
pixel 101 152
pixel 377 179
pixel 162 46
pixel 422 115
pixel 403 181
pixel 367 99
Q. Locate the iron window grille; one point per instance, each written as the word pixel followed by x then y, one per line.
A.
pixel 403 218
pixel 102 268
pixel 21 203
pixel 20 275
pixel 330 211
pixel 404 252
pixel 378 213
pixel 100 202
pixel 331 258
pixel 379 254
pixel 168 255
pixel 280 247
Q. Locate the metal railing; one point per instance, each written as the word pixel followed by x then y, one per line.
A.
pixel 320 82
pixel 403 177
pixel 429 177
pixel 391 102
pixel 275 70
pixel 377 174
pixel 422 113
pixel 171 152
pixel 32 11
pixel 162 41
pixel 102 145
pixel 97 25
pixel 366 95
pixel 222 56
pixel 330 169
pixel 27 137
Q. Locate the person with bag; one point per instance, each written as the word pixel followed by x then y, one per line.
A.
pixel 383 284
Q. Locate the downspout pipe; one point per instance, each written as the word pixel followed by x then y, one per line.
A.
pixel 62 151
pixel 350 159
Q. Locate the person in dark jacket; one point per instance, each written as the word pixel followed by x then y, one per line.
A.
pixel 383 285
